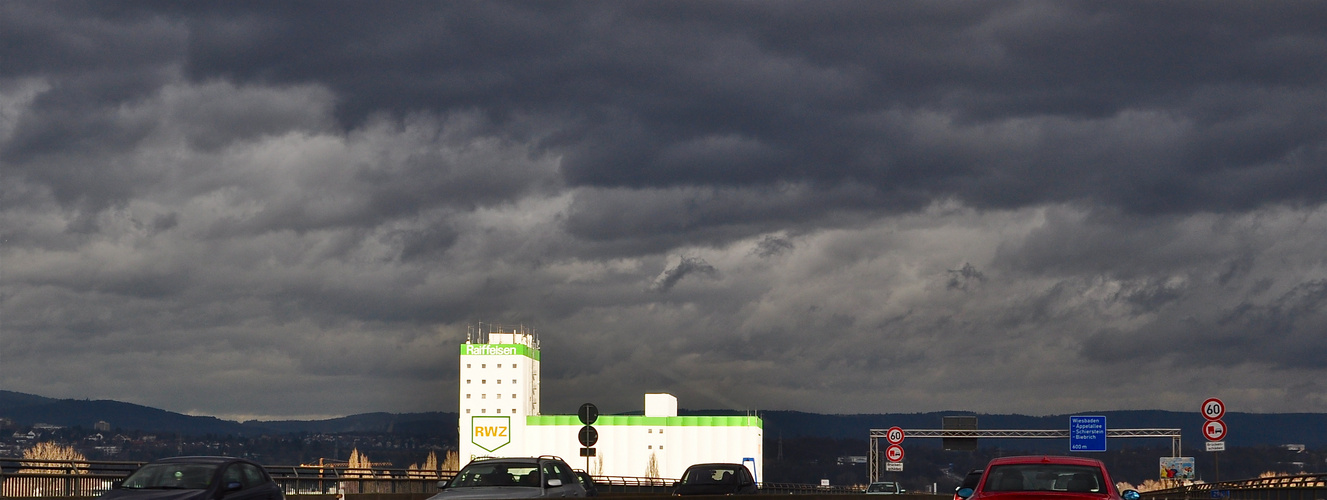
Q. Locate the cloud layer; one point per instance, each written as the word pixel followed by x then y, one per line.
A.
pixel 292 210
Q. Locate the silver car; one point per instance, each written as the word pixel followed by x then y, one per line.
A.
pixel 533 477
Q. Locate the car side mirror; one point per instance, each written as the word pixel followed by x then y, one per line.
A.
pixel 555 482
pixel 967 492
pixel 442 484
pixel 1131 495
pixel 234 486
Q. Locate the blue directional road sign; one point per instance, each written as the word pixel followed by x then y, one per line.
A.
pixel 1087 433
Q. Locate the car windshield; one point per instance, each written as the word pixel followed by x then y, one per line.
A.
pixel 497 474
pixel 184 476
pixel 710 475
pixel 1045 477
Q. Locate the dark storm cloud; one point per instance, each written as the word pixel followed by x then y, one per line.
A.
pixel 793 202
pixel 910 98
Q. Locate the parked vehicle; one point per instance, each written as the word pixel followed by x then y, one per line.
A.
pixel 716 479
pixel 883 488
pixel 197 478
pixel 587 482
pixel 1046 478
pixel 527 477
pixel 970 482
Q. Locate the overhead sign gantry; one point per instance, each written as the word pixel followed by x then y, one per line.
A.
pixel 966 434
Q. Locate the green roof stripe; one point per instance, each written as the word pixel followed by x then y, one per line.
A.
pixel 636 420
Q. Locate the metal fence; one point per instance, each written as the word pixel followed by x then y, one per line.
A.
pixel 59 478
pixel 1299 487
pixel 21 478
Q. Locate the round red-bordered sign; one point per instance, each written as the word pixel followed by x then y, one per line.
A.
pixel 894 453
pixel 894 435
pixel 1214 430
pixel 1214 409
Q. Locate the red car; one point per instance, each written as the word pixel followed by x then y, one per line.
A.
pixel 1047 478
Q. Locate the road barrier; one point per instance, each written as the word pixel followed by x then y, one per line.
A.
pixel 1298 487
pixel 69 480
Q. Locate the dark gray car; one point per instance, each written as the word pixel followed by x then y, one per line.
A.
pixel 197 478
pixel 716 479
pixel 533 477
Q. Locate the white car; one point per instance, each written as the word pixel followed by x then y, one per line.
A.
pixel 884 488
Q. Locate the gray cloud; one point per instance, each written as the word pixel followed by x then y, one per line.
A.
pixel 791 202
pixel 685 266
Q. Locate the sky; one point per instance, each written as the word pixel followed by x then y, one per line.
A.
pixel 296 210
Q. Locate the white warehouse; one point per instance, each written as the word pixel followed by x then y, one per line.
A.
pixel 499 417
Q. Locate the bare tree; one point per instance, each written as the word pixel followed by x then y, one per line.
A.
pixel 452 462
pixel 652 467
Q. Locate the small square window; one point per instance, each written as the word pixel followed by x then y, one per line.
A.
pixel 467 381
pixel 483 396
pixel 513 410
pixel 650 447
pixel 467 410
pixel 467 365
pixel 484 381
pixel 499 381
pixel 513 396
pixel 513 381
pixel 661 447
pixel 499 365
pixel 467 396
pixel 649 431
pixel 499 396
pixel 483 410
pixel 484 365
pixel 499 410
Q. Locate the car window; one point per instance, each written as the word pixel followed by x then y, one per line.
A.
pixel 253 476
pixel 497 474
pixel 171 476
pixel 557 470
pixel 711 475
pixel 1045 477
pixel 234 474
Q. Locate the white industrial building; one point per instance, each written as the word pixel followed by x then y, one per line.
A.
pixel 499 417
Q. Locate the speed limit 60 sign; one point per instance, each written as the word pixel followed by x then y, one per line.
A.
pixel 1213 409
pixel 894 435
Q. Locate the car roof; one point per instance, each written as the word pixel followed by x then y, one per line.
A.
pixel 718 464
pixel 1046 459
pixel 521 460
pixel 201 459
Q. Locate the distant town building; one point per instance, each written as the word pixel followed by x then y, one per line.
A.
pixel 102 426
pixel 499 417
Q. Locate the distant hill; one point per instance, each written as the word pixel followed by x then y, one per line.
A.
pixel 1246 429
pixel 402 423
pixel 27 409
